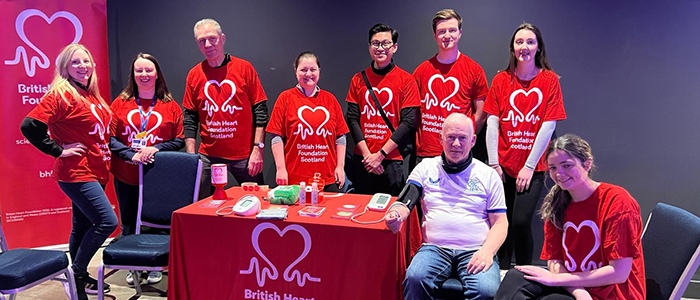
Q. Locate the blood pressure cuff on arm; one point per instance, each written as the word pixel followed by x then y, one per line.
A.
pixel 411 194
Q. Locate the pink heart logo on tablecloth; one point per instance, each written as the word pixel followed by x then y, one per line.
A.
pixel 289 274
pixel 520 117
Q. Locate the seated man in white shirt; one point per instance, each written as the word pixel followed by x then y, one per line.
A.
pixel 464 220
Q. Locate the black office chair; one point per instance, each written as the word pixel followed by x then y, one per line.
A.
pixel 21 269
pixel 167 184
pixel 671 245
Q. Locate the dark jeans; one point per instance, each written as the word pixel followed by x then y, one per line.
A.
pixel 237 168
pixel 390 182
pixel 515 287
pixel 93 221
pixel 128 197
pixel 433 265
pixel 521 209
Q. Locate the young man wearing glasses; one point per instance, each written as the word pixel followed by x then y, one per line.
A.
pixel 377 163
pixel 449 82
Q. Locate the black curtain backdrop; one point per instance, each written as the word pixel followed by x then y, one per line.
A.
pixel 628 68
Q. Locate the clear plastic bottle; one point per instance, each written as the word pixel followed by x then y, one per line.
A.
pixel 314 193
pixel 302 193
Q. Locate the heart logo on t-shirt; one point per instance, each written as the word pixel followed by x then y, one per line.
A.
pixel 211 107
pixel 312 117
pixel 520 117
pixel 444 103
pixel 369 110
pixel 42 61
pixel 136 129
pixel 289 273
pixel 586 265
pixel 100 125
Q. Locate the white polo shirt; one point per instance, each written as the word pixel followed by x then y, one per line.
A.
pixel 455 206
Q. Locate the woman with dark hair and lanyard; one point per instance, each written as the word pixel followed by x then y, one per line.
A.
pixel 79 120
pixel 147 120
pixel 524 104
pixel 308 130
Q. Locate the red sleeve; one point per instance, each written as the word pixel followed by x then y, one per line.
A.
pixel 353 90
pixel 622 229
pixel 555 104
pixel 417 75
pixel 480 86
pixel 188 99
pixel 51 109
pixel 178 129
pixel 256 94
pixel 410 95
pixel 276 125
pixel 551 250
pixel 491 103
pixel 115 107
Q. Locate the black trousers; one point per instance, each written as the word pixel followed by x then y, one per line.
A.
pixel 390 182
pixel 521 209
pixel 515 287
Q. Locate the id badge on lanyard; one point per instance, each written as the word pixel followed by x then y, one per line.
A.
pixel 140 140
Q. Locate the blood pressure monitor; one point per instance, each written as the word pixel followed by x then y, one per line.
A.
pixel 379 202
pixel 247 205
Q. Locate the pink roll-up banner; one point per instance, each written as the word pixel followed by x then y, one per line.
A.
pixel 33 210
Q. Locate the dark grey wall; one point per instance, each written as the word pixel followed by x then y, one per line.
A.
pixel 628 68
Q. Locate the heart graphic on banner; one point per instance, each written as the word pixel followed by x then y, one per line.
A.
pixel 520 117
pixel 372 111
pixel 211 107
pixel 129 117
pixel 586 265
pixel 443 102
pixel 312 116
pixel 289 274
pixel 30 64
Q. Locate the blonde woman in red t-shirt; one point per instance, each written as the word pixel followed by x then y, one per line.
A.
pixel 147 120
pixel 308 130
pixel 524 104
pixel 78 119
pixel 593 235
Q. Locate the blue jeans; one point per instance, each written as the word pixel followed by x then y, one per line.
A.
pixel 432 266
pixel 93 221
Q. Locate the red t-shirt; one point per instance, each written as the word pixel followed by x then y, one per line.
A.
pixel 604 227
pixel 163 124
pixel 76 121
pixel 445 89
pixel 395 90
pixel 522 107
pixel 224 98
pixel 309 126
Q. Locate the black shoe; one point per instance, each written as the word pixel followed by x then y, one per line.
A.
pixel 80 287
pixel 90 285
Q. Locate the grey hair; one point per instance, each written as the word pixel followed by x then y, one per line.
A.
pixel 207 21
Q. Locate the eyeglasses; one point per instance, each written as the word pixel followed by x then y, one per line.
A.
pixel 384 44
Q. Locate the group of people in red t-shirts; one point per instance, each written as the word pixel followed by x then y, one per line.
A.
pixel 592 229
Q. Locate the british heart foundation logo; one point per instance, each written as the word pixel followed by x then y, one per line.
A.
pixel 316 115
pixel 271 272
pixel 210 105
pixel 41 61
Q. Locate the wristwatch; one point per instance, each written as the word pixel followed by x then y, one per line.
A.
pixel 260 145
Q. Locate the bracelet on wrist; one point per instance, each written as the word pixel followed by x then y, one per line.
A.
pixel 383 152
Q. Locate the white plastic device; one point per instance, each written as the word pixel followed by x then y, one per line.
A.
pixel 379 202
pixel 248 205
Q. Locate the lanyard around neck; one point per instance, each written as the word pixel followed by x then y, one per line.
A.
pixel 144 116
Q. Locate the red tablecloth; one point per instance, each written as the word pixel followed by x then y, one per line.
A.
pixel 215 257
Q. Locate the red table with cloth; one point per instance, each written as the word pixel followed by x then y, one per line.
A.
pixel 233 257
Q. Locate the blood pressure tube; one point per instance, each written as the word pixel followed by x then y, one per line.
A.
pixel 302 193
